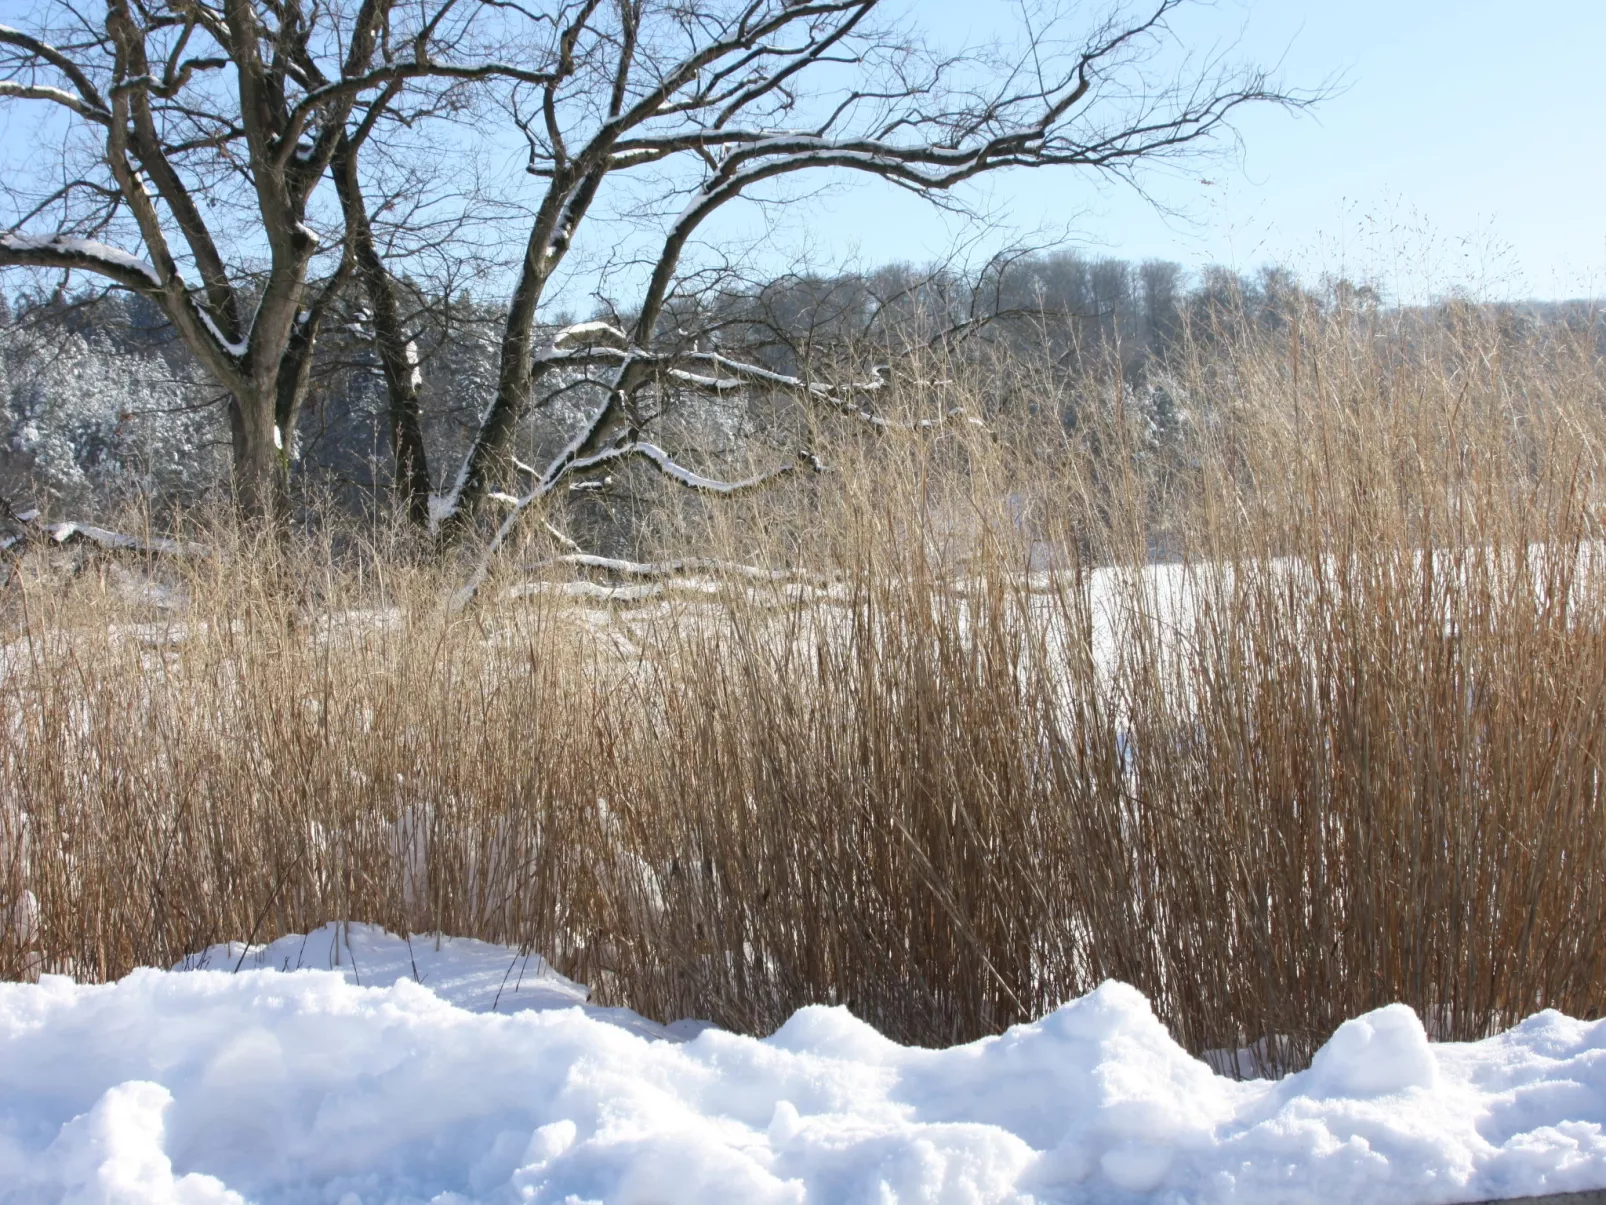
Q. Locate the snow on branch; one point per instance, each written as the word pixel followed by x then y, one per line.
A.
pixel 58 96
pixel 650 452
pixel 724 375
pixel 69 532
pixel 94 106
pixel 24 250
pixel 666 465
pixel 235 347
pixel 588 334
pixel 559 536
pixel 838 396
pixel 87 255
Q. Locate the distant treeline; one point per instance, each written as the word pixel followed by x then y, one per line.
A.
pixel 100 405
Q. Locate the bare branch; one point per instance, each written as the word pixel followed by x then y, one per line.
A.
pixel 82 255
pixel 649 452
pixel 62 62
pixel 57 95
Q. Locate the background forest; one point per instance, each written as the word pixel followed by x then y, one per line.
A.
pixel 104 410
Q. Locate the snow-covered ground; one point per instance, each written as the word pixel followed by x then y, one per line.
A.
pixel 474 975
pixel 491 1081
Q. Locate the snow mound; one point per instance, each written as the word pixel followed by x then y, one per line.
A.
pixel 473 975
pixel 308 1087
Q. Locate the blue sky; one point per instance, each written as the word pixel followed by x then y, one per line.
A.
pixel 1466 149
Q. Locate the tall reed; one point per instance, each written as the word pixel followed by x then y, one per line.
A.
pixel 1292 712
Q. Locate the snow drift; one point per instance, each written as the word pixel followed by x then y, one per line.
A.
pixel 493 1081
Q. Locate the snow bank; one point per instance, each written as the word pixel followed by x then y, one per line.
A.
pixel 473 975
pixel 305 1087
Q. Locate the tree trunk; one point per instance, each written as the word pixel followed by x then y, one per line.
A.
pixel 261 467
pixel 489 457
pixel 397 356
pixel 412 461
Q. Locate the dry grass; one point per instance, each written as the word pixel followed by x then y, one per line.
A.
pixel 1345 751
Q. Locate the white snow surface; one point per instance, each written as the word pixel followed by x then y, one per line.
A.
pixel 308 1087
pixel 473 975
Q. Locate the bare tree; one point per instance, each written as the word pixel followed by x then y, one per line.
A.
pixel 216 124
pixel 706 102
pixel 211 128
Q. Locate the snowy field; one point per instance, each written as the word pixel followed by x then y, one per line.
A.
pixel 349 1081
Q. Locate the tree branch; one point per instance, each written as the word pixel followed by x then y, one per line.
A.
pixel 649 452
